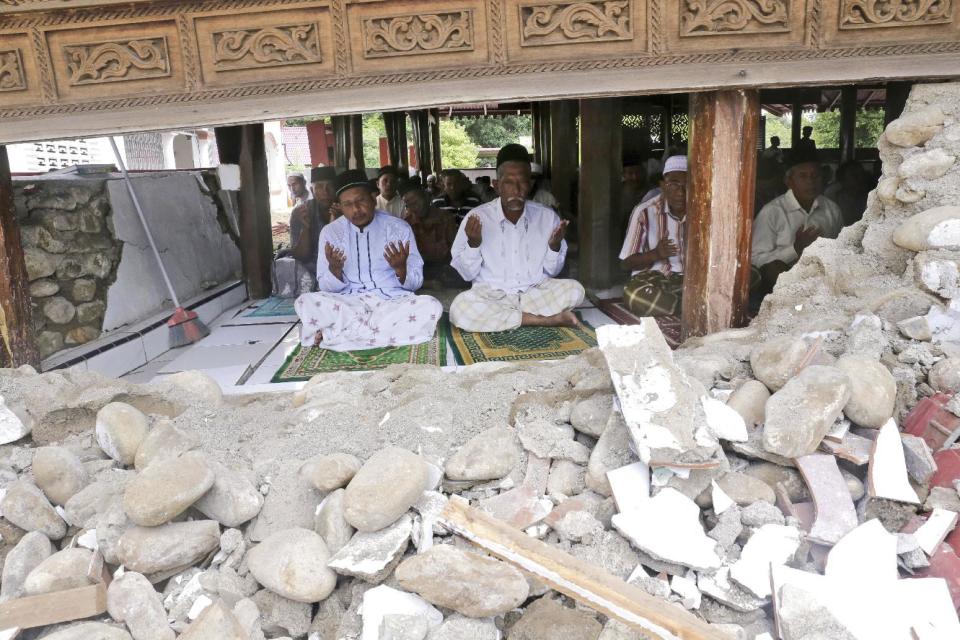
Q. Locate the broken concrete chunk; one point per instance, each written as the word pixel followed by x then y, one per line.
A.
pixel 547 619
pixel 388 484
pixel 835 513
pixel 916 128
pixel 489 455
pixel 166 489
pixel 872 390
pixel 293 564
pixel 917 327
pixel 945 375
pixel 661 404
pixel 936 228
pixel 371 556
pixel 942 498
pixel 776 361
pixel 800 414
pixel 551 441
pixel 216 622
pixel 120 430
pixel 719 587
pixel 750 401
pixel 771 544
pixel 919 459
pixel 667 526
pixel 521 507
pixel 887 473
pixel 612 451
pixel 383 601
pixel 591 415
pixel 466 582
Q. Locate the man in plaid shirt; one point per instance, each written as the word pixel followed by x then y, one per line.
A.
pixel 654 247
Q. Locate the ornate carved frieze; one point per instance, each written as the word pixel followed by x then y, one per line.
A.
pixel 267 47
pixel 138 59
pixel 712 17
pixel 571 22
pixel 11 71
pixel 418 34
pixel 866 14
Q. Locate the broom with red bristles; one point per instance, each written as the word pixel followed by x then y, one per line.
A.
pixel 185 327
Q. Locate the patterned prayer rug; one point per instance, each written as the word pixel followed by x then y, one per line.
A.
pixel 525 343
pixel 273 307
pixel 618 312
pixel 303 364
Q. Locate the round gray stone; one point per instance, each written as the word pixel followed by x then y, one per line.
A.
pixel 293 564
pixel 873 390
pixel 120 429
pixel 59 310
pixel 133 600
pixel 750 401
pixel 44 288
pixel 590 415
pixel 25 506
pixel 328 472
pixel 945 375
pixel 63 570
pixel 488 455
pixel 59 473
pixel 388 484
pixel 32 549
pixel 151 550
pixel 775 361
pixel 166 489
pixel 232 500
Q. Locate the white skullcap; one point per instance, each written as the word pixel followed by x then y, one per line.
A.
pixel 675 163
pixel 536 168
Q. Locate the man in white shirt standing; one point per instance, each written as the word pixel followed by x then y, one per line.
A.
pixel 790 223
pixel 512 250
pixel 654 247
pixel 368 269
pixel 389 200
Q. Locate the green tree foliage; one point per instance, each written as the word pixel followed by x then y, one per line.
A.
pixel 457 150
pixel 826 128
pixel 496 131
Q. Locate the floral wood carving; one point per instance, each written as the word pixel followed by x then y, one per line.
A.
pixel 417 34
pixel 712 17
pixel 11 71
pixel 570 22
pixel 117 61
pixel 866 14
pixel 267 47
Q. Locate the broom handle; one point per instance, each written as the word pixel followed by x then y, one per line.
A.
pixel 143 221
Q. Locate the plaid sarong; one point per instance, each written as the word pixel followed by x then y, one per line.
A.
pixel 651 293
pixel 483 308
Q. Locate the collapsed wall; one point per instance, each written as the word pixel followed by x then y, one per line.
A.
pixel 755 479
pixel 90 267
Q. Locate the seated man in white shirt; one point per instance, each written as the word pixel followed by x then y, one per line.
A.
pixel 790 223
pixel 654 246
pixel 512 250
pixel 367 270
pixel 389 199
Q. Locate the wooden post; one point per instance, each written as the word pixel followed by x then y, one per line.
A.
pixel 796 128
pixel 848 123
pixel 243 145
pixel 17 346
pixel 396 126
pixel 601 138
pixel 356 142
pixel 341 139
pixel 541 133
pixel 897 94
pixel 434 121
pixel 720 194
pixel 564 153
pixel 421 140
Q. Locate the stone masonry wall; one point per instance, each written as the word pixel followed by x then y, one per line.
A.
pixel 71 257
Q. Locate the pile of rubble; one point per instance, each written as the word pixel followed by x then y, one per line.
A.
pixel 769 482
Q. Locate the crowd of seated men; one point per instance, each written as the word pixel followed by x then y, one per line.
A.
pixel 365 245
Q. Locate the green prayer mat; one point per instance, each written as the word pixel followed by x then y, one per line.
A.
pixel 273 307
pixel 303 364
pixel 524 343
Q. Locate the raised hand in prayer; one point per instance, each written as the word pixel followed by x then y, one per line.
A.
pixel 804 238
pixel 557 236
pixel 396 255
pixel 334 212
pixel 666 249
pixel 474 231
pixel 335 260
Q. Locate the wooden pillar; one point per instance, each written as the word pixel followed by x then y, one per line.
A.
pixel 720 194
pixel 17 346
pixel 542 136
pixel 796 129
pixel 396 126
pixel 420 121
pixel 356 142
pixel 243 145
pixel 848 123
pixel 434 121
pixel 897 94
pixel 600 174
pixel 564 153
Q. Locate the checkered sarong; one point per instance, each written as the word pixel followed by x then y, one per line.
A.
pixel 483 308
pixel 651 293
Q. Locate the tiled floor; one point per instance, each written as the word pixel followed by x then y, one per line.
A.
pixel 243 353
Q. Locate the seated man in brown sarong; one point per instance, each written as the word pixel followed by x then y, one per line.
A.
pixel 654 247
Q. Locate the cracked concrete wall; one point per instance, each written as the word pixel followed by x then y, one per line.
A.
pixel 184 220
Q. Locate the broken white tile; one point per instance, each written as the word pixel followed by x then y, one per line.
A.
pixel 721 501
pixel 630 485
pixel 371 556
pixel 719 587
pixel 866 554
pixel 723 421
pixel 932 532
pixel 381 601
pixel 88 540
pixel 9 634
pixel 198 606
pixel 887 472
pixel 688 592
pixel 637 572
pixel 667 527
pixel 771 544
